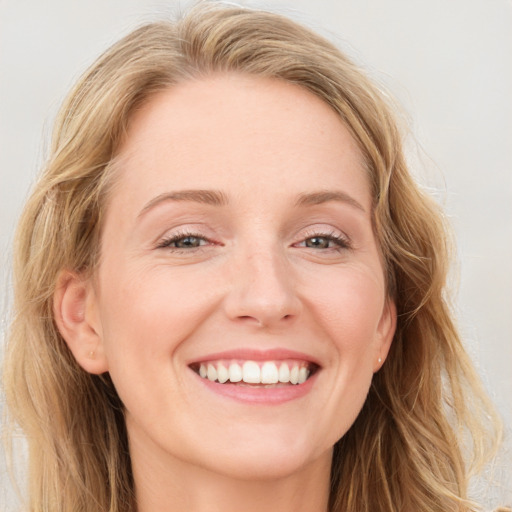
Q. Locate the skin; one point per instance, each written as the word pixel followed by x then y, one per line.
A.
pixel 266 273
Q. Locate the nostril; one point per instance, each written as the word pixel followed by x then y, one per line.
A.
pixel 264 321
pixel 249 318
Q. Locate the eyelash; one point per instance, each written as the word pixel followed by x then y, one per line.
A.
pixel 166 243
pixel 341 242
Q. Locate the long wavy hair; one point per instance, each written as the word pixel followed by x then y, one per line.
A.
pixel 426 425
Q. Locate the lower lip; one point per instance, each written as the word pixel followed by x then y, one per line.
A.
pixel 260 395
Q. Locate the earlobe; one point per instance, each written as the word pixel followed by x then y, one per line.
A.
pixel 73 307
pixel 386 329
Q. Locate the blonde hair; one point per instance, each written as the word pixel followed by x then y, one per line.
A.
pixel 426 410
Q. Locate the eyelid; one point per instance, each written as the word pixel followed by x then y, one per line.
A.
pixel 165 241
pixel 327 231
pixel 338 240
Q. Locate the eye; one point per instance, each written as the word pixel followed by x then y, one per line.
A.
pixel 318 242
pixel 183 241
pixel 331 241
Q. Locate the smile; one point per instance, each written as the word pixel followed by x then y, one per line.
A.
pixel 271 373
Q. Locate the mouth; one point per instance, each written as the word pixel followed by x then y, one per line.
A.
pixel 251 373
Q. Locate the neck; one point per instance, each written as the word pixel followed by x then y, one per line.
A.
pixel 181 486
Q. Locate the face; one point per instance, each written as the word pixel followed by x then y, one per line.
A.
pixel 240 304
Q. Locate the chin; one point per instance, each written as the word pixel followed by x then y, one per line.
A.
pixel 262 457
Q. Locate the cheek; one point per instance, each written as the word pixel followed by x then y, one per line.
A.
pixel 146 318
pixel 349 312
pixel 349 306
pixel 147 314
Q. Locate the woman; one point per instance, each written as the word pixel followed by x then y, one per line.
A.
pixel 229 292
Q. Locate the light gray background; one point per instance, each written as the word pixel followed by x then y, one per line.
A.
pixel 447 61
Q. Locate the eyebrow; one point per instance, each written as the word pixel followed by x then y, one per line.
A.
pixel 325 196
pixel 218 198
pixel 211 197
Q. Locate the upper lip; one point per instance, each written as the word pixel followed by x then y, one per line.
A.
pixel 251 354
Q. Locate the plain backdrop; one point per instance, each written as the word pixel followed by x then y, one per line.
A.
pixel 448 62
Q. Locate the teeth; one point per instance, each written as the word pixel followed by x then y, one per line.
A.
pixel 284 373
pixel 235 372
pixel 294 375
pixel 211 372
pixel 251 372
pixel 269 373
pixel 222 373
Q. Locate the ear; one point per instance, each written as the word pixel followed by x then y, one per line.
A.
pixel 385 333
pixel 74 307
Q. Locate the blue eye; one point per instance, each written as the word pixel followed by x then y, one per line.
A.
pixel 332 241
pixel 183 241
pixel 318 242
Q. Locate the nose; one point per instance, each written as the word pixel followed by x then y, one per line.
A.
pixel 263 290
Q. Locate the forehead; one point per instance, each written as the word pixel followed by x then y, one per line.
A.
pixel 239 132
